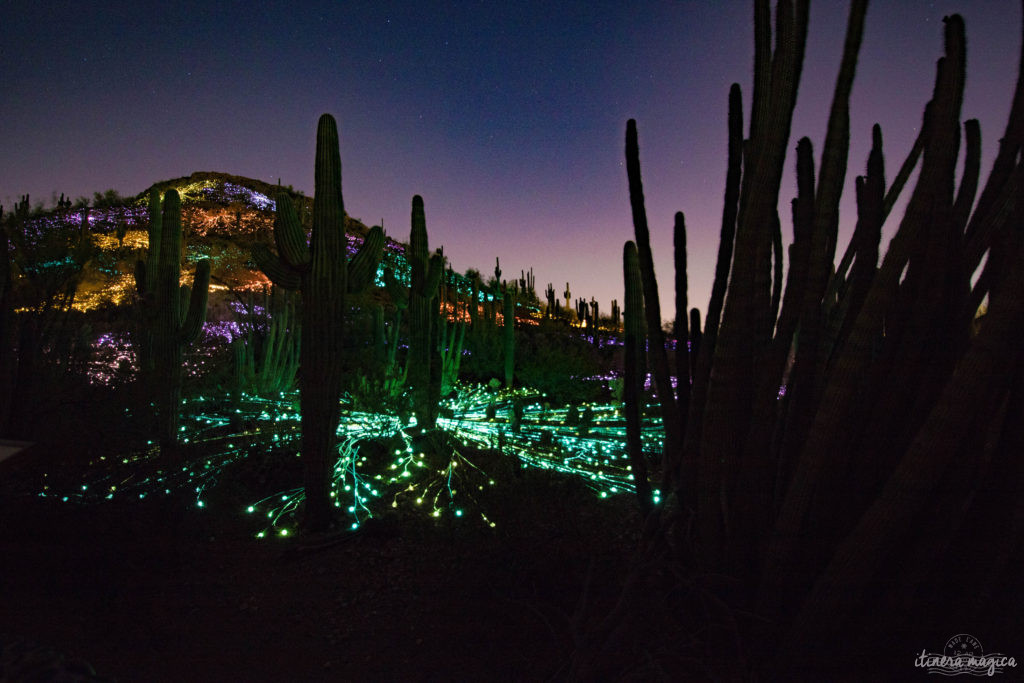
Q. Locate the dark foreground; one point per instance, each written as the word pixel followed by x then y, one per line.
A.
pixel 163 591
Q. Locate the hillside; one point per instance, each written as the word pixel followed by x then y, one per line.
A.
pixel 222 217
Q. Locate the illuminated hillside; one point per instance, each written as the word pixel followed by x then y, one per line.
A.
pixel 222 216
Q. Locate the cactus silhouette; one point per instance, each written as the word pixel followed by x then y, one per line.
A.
pixel 425 277
pixel 508 335
pixel 321 271
pixel 145 286
pixel 267 360
pixel 838 413
pixel 174 323
pixel 634 337
pixel 657 356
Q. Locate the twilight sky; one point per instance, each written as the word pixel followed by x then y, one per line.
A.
pixel 508 117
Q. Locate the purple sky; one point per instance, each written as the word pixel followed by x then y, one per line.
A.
pixel 508 117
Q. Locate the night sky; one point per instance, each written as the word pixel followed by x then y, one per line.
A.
pixel 508 117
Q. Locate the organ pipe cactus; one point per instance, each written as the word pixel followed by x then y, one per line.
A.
pixel 451 340
pixel 321 272
pixel 723 264
pixel 851 431
pixel 267 360
pixel 672 461
pixel 633 364
pixel 657 356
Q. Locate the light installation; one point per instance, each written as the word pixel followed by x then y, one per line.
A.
pixel 382 463
pixel 443 476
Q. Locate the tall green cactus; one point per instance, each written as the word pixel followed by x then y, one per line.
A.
pixel 320 270
pixel 633 382
pixel 853 431
pixel 177 317
pixel 451 339
pixel 394 377
pixel 745 328
pixel 672 462
pixel 657 355
pixel 474 299
pixel 425 276
pixel 723 265
pixel 267 361
pixel 508 299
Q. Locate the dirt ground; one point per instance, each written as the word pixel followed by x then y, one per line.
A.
pixel 158 590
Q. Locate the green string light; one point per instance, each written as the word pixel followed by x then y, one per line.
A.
pixel 230 429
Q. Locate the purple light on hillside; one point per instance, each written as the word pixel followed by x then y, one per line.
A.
pixel 226 330
pixel 257 199
pixel 113 355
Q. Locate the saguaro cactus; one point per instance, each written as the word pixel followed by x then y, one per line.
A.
pixel 549 293
pixel 509 334
pixel 173 324
pixel 321 272
pixel 424 278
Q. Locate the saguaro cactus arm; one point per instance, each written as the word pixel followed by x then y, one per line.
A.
pixel 289 235
pixel 363 268
pixel 195 316
pixel 278 272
